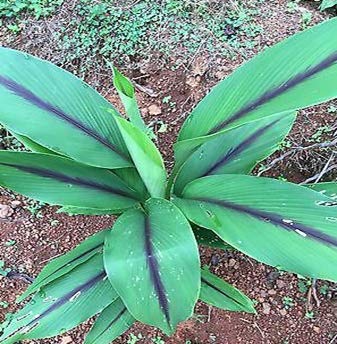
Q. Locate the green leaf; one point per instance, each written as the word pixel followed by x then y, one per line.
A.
pixel 327 188
pixel 88 211
pixel 237 150
pixel 131 177
pixel 62 304
pixel 221 294
pixel 31 145
pixel 146 158
pixel 300 71
pixel 127 95
pixel 59 111
pixel 67 262
pixel 148 257
pixel 327 4
pixel 111 323
pixel 58 180
pixel 207 237
pixel 281 224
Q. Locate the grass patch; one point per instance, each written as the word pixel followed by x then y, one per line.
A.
pixel 174 28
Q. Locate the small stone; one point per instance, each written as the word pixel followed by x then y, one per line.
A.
pixel 283 312
pixel 5 211
pixel 266 308
pixel 15 204
pixel 280 284
pixel 66 340
pixel 215 259
pixel 272 292
pixel 231 262
pixel 261 299
pixel 193 81
pixel 317 329
pixel 272 277
pixel 154 110
pixel 144 111
pixel 263 293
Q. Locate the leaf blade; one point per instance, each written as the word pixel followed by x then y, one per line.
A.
pixel 37 96
pixel 111 323
pixel 235 151
pixel 221 294
pixel 58 180
pixel 290 227
pixel 149 273
pixel 67 262
pixel 277 85
pixel 63 304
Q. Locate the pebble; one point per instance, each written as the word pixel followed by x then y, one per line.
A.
pixel 266 308
pixel 272 292
pixel 5 211
pixel 66 340
pixel 283 312
pixel 280 284
pixel 263 293
pixel 231 262
pixel 154 110
pixel 15 204
pixel 317 329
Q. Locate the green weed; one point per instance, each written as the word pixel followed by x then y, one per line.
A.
pixel 288 302
pixel 172 26
pixel 36 8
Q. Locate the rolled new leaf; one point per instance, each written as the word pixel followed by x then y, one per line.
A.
pixel 237 150
pixel 62 304
pixel 127 95
pixel 281 224
pixel 111 323
pixel 267 85
pixel 61 181
pixel 149 255
pixel 64 264
pixel 59 111
pixel 221 294
pixel 146 158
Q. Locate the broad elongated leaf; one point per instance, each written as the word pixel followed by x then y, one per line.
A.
pixel 111 323
pixel 148 257
pixel 59 180
pixel 63 304
pixel 127 95
pixel 280 224
pixel 268 84
pixel 31 145
pixel 221 294
pixel 67 262
pixel 327 4
pixel 328 188
pixel 58 111
pixel 237 150
pixel 146 158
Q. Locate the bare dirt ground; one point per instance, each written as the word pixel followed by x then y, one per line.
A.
pixel 288 311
